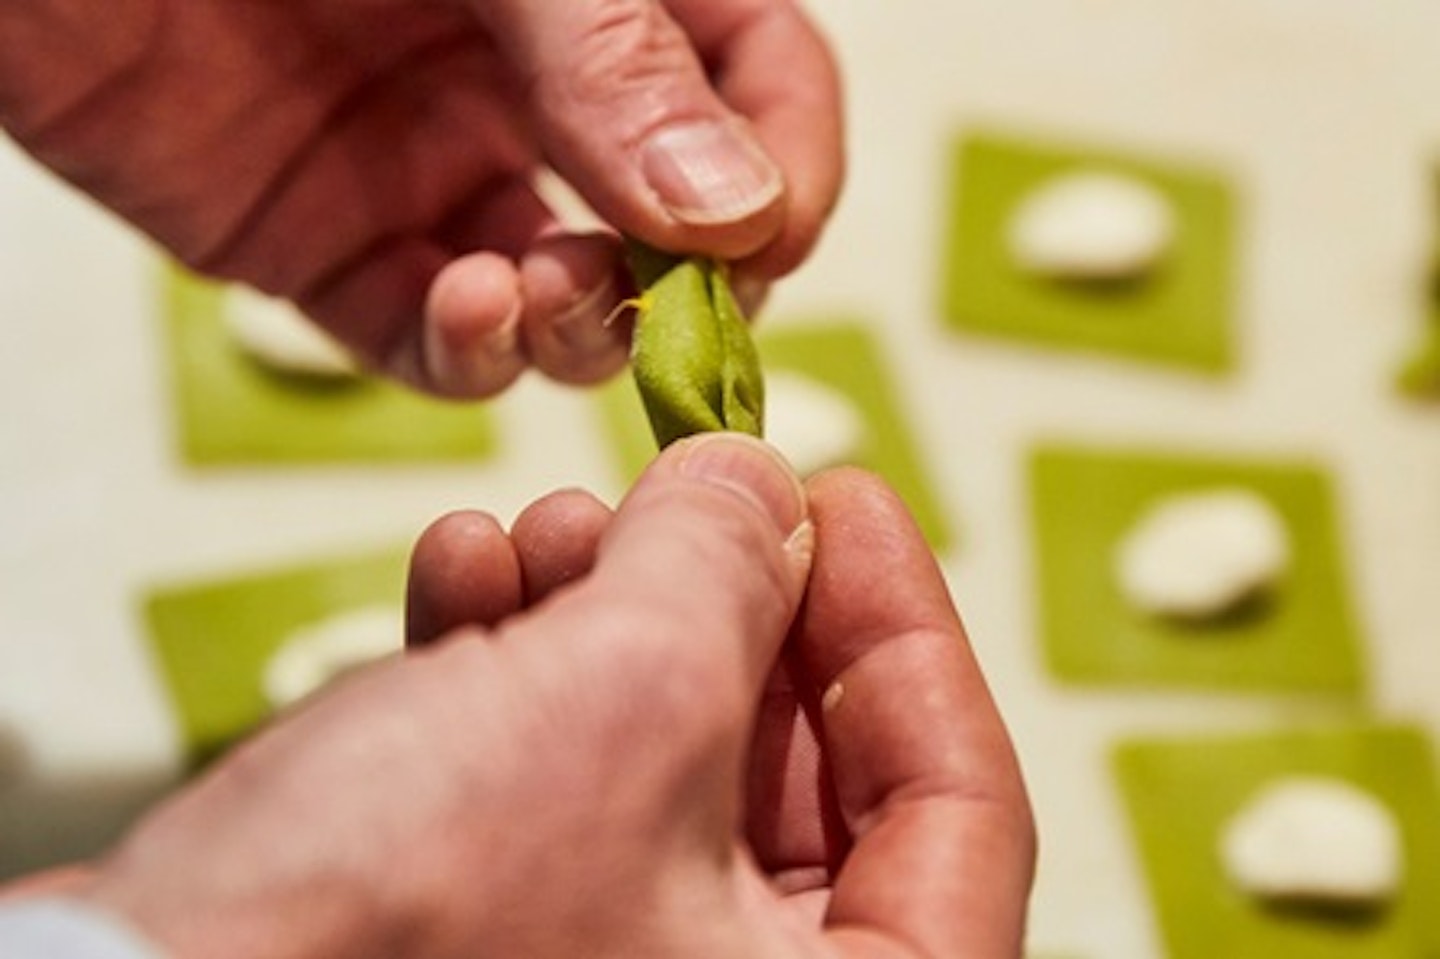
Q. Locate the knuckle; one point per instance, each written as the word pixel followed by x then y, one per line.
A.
pixel 624 47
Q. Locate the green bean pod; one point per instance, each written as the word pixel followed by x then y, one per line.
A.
pixel 692 357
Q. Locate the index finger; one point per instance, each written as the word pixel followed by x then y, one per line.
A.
pixel 926 778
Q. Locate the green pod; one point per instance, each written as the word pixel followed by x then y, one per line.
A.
pixel 692 357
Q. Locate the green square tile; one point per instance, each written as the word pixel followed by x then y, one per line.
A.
pixel 231 411
pixel 842 355
pixel 1084 502
pixel 1180 792
pixel 1179 316
pixel 211 640
pixel 1419 374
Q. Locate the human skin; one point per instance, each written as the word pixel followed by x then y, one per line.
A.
pixel 376 160
pixel 624 735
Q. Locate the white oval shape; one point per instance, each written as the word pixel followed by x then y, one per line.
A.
pixel 1091 225
pixel 322 651
pixel 1314 839
pixel 1200 555
pixel 813 424
pixel 274 332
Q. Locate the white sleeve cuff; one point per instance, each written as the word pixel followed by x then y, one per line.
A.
pixel 61 929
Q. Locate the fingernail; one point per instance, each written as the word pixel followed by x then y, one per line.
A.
pixel 584 324
pixel 754 470
pixel 709 172
pixel 462 359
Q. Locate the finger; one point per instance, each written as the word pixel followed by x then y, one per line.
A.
pixel 471 345
pixel 923 768
pixel 572 285
pixel 770 63
pixel 556 314
pixel 532 296
pixel 463 571
pixel 471 342
pixel 792 820
pixel 695 581
pixel 357 245
pixel 625 112
pixel 556 539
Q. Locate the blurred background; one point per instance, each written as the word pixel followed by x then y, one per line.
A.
pixel 1319 120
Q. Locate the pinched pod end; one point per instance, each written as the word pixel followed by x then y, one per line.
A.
pixel 694 362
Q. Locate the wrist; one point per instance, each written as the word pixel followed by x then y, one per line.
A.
pixel 220 912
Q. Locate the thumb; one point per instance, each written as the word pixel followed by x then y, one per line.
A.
pixel 626 114
pixel 695 583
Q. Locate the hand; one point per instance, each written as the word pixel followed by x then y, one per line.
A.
pixel 375 160
pixel 606 770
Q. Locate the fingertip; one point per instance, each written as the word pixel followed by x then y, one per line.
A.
pixel 556 539
pixel 471 342
pixel 872 505
pixel 572 284
pixel 463 571
pixel 867 535
pixel 848 481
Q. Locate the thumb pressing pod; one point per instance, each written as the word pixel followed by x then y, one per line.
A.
pixel 692 357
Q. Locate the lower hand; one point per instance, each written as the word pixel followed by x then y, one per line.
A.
pixel 619 753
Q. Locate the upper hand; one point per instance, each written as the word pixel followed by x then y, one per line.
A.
pixel 375 160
